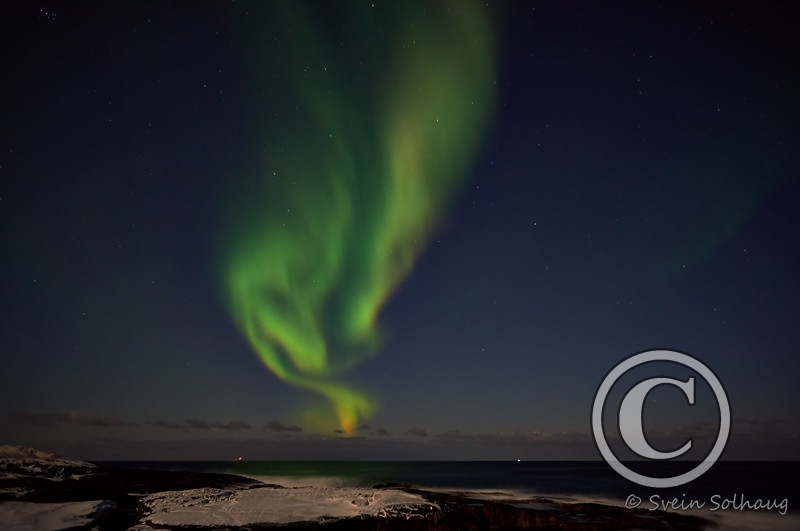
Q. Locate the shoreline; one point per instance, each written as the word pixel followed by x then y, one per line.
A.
pixel 95 496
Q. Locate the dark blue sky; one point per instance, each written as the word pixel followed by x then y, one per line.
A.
pixel 636 188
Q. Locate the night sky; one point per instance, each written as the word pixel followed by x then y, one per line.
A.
pixel 381 231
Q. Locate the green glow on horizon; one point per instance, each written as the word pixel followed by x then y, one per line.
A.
pixel 352 183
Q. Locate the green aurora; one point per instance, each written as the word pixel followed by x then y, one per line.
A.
pixel 378 115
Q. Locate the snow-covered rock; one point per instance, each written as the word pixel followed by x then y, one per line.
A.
pixel 20 462
pixel 270 505
pixel 24 452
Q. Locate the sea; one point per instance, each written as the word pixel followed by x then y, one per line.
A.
pixel 733 494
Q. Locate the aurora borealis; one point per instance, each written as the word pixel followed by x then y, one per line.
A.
pixel 348 196
pixel 392 230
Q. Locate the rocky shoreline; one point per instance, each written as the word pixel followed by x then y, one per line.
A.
pixel 456 511
pixel 143 500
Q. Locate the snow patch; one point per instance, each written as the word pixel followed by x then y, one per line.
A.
pixel 28 516
pixel 267 505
